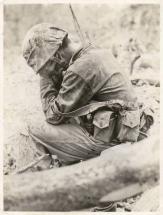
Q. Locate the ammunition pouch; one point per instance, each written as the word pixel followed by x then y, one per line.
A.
pixel 115 120
pixel 104 125
pixel 127 126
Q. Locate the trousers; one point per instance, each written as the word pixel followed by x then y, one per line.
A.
pixel 70 142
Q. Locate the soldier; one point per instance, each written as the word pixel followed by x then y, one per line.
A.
pixel 88 102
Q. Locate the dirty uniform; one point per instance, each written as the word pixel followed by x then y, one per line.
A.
pixel 93 75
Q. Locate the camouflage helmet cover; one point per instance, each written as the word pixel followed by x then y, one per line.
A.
pixel 41 43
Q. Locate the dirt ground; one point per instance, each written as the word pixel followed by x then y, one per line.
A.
pixel 21 88
pixel 22 102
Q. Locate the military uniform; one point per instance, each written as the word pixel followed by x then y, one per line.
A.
pixel 92 76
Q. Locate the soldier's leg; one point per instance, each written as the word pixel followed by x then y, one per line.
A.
pixel 69 142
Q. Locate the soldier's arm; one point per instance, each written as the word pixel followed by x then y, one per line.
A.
pixel 49 88
pixel 74 93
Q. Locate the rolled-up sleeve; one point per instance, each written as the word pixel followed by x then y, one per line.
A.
pixel 73 93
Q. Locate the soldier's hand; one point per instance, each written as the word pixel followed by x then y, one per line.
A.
pixel 48 69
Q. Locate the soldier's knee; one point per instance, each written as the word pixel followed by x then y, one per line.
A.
pixel 34 127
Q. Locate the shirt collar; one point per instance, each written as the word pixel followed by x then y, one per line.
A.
pixel 79 52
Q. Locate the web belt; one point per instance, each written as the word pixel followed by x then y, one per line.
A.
pixel 114 105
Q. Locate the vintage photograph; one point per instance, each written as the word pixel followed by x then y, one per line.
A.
pixel 81 108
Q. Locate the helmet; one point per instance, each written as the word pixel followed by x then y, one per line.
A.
pixel 41 43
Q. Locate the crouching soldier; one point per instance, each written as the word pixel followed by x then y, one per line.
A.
pixel 88 102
